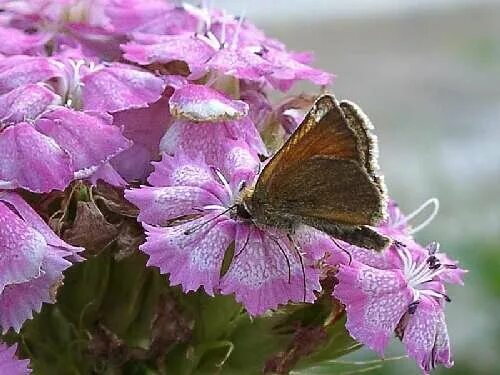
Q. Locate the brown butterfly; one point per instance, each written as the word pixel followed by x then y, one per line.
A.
pixel 324 176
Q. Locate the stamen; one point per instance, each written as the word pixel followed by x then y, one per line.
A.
pixel 234 42
pixel 435 293
pixel 223 181
pixel 433 247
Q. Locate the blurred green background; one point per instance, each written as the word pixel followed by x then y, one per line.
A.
pixel 428 75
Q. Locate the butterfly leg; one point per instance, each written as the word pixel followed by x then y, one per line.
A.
pixel 299 254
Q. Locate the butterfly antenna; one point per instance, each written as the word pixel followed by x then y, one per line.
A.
pixel 286 258
pixel 343 249
pixel 297 249
pixel 202 224
pixel 244 246
pixel 435 204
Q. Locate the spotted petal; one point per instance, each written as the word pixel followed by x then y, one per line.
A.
pixel 192 260
pixel 426 336
pixel 263 274
pixel 375 301
pixel 158 205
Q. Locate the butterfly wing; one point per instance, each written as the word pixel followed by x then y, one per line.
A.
pixel 326 169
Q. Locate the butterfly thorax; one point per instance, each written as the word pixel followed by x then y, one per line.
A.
pixel 252 208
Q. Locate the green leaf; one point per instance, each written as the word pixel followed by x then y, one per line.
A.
pixel 338 344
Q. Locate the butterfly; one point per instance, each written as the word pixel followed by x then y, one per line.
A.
pixel 324 176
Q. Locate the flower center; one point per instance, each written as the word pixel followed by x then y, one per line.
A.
pixel 420 273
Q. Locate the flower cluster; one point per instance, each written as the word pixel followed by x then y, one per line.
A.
pixel 177 98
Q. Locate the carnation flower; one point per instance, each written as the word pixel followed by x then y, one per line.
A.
pixel 190 223
pixel 32 259
pixel 400 290
pixel 9 364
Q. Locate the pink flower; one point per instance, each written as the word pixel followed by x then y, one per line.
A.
pixel 222 45
pixel 400 290
pixel 190 222
pixel 9 364
pixel 32 259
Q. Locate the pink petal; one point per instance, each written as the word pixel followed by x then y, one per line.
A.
pixel 147 49
pixel 22 249
pixel 90 139
pixel 199 103
pixel 33 161
pixel 259 104
pixel 179 170
pixel 145 127
pixel 205 140
pixel 192 260
pixel 17 71
pixel 155 17
pixel 107 173
pixel 19 301
pixel 9 364
pixel 375 301
pixel 314 243
pixel 158 205
pixel 288 68
pixel 25 211
pixel 119 87
pixel 242 64
pixel 129 15
pixel 239 162
pixel 17 42
pixel 262 277
pixel 426 336
pixel 26 103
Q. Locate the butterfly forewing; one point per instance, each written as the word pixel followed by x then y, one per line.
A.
pixel 324 171
pixel 367 142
